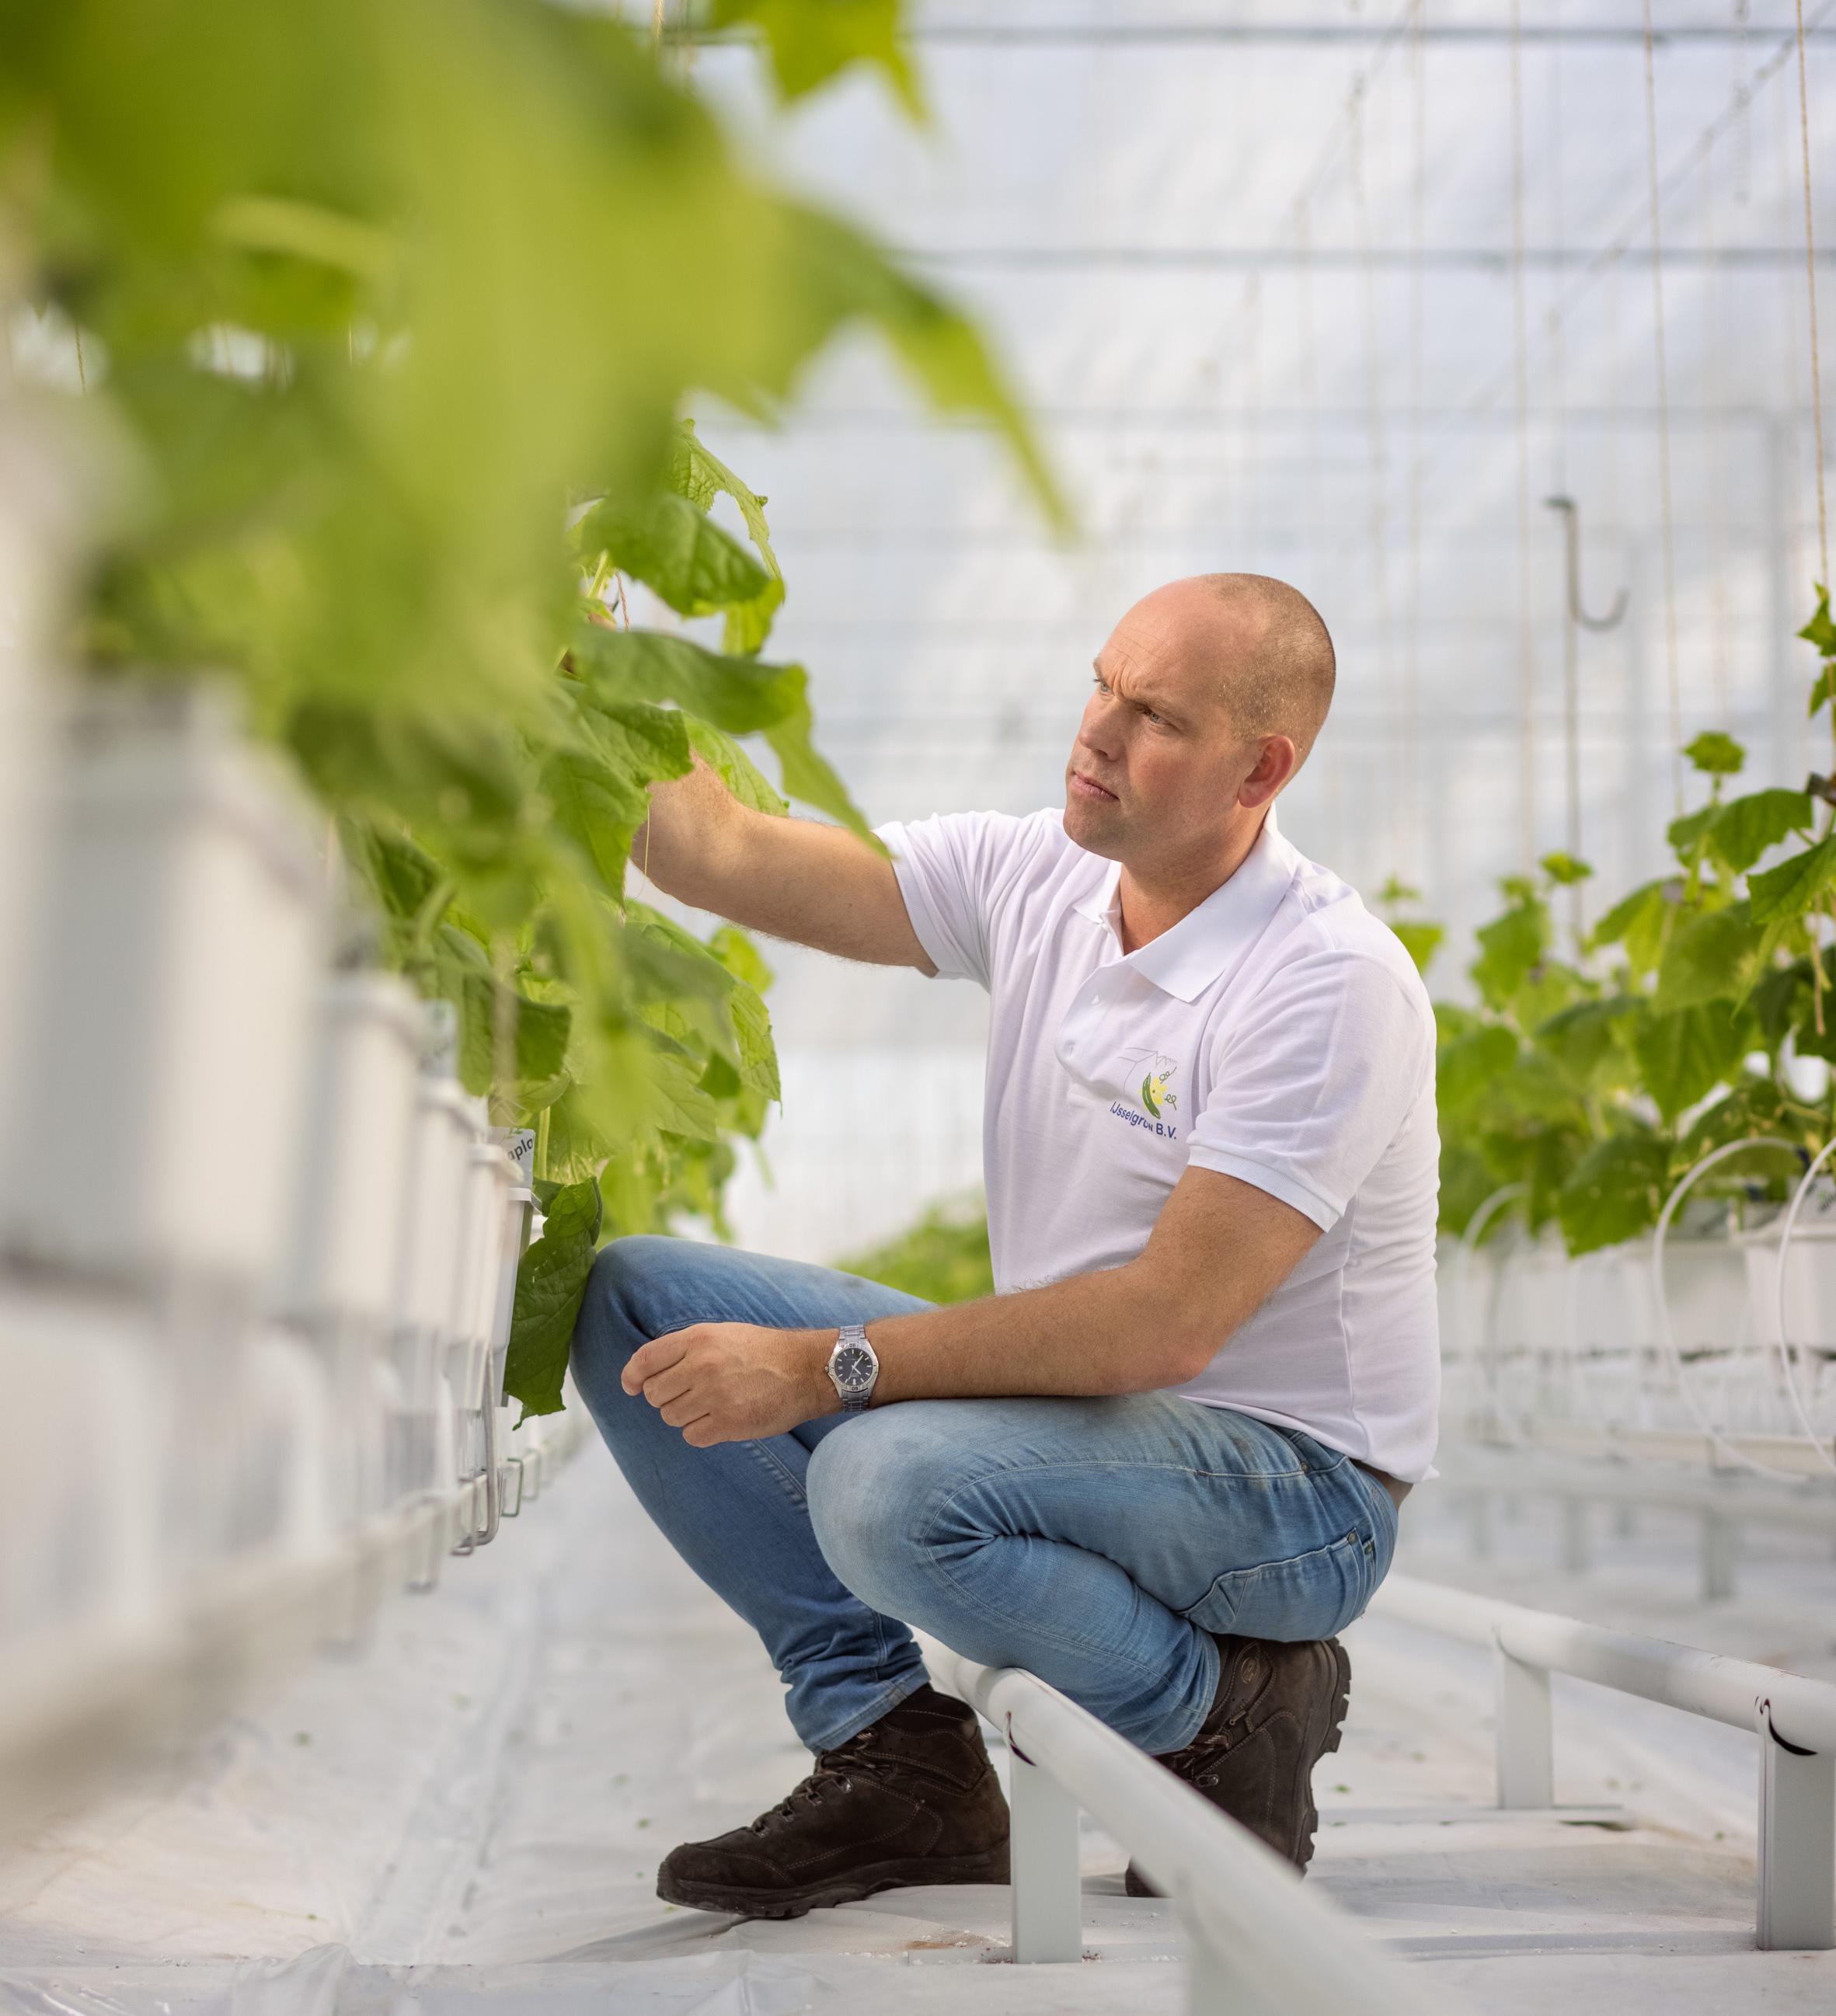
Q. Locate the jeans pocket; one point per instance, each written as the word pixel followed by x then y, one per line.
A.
pixel 1313 1595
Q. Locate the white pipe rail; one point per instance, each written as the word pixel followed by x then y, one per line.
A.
pixel 1794 1718
pixel 1260 1946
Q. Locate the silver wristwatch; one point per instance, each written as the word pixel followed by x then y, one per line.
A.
pixel 853 1369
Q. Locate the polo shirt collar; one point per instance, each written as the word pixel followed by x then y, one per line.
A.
pixel 1207 942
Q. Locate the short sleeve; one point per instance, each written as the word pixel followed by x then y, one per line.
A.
pixel 1315 1080
pixel 951 871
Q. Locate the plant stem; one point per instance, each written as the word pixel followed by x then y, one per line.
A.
pixel 541 1145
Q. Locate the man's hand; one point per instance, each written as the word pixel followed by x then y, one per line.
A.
pixel 734 1382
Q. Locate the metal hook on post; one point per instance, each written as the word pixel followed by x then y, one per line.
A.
pixel 1574 618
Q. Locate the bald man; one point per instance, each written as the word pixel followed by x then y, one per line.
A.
pixel 1161 1465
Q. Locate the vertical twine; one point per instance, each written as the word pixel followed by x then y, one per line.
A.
pixel 1670 638
pixel 1810 275
pixel 1413 642
pixel 1376 452
pixel 1520 380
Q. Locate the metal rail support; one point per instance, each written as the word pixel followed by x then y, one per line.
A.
pixel 1526 1743
pixel 1797 1845
pixel 1047 1885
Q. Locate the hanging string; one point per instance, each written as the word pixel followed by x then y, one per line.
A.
pixel 1520 380
pixel 1711 400
pixel 1810 271
pixel 1670 640
pixel 1605 261
pixel 1373 414
pixel 1413 852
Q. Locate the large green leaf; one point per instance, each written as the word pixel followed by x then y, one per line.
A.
pixel 739 695
pixel 1790 889
pixel 1685 1056
pixel 701 476
pixel 1710 956
pixel 676 549
pixel 550 1284
pixel 1466 1067
pixel 1615 1192
pixel 1745 828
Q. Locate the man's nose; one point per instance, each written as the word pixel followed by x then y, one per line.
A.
pixel 1097 731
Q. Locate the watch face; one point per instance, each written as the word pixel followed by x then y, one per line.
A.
pixel 853 1367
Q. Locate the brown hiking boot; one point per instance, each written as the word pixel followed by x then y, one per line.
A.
pixel 911 1799
pixel 1278 1710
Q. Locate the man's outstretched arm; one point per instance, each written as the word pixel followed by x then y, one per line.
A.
pixel 815 885
pixel 1219 1250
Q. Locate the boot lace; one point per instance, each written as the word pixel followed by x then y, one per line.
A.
pixel 836 1770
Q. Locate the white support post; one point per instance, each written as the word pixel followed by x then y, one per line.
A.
pixel 1797 1846
pixel 1048 1889
pixel 1526 1759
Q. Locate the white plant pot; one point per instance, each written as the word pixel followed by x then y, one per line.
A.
pixel 1810 1283
pixel 90 1462
pixel 172 1025
pixel 339 1283
pixel 445 1128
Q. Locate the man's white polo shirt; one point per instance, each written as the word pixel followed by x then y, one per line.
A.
pixel 1279 1034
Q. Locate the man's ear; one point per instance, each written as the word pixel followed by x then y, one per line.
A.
pixel 1276 763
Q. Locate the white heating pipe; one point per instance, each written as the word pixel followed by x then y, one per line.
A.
pixel 1261 1942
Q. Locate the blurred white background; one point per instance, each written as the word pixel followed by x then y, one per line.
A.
pixel 1341 292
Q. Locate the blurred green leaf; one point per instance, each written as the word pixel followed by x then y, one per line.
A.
pixel 1744 828
pixel 1582 1038
pixel 1791 888
pixel 1685 1056
pixel 810 40
pixel 1420 941
pixel 1641 922
pixel 944 1259
pixel 1710 955
pixel 1615 1192
pixel 1466 1066
pixel 1820 631
pixel 1715 754
pixel 1509 946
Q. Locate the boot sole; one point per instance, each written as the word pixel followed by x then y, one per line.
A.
pixel 916 1872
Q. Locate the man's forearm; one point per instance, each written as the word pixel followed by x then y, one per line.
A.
pixel 1220 1248
pixel 1113 1332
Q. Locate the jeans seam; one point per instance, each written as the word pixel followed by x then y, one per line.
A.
pixel 781 1471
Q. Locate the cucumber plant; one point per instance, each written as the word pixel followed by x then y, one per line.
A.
pixel 388 313
pixel 1598 1080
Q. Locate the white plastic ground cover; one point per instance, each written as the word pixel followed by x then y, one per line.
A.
pixel 476 1814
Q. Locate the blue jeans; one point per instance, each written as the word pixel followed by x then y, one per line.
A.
pixel 1097 1543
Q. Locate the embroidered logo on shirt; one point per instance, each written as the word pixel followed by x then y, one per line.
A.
pixel 1157 1071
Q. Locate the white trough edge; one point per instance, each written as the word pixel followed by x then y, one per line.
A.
pixel 1279 1947
pixel 1801 1711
